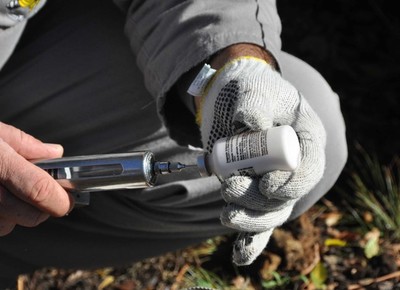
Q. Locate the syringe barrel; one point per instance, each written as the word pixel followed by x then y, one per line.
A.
pixel 102 172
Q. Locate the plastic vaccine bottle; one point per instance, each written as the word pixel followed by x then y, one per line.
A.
pixel 252 154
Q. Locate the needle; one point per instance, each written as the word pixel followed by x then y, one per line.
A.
pixel 169 167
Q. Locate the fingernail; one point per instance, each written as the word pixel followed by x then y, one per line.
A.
pixel 55 147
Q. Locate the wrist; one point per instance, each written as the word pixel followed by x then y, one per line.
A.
pixel 241 49
pixel 232 52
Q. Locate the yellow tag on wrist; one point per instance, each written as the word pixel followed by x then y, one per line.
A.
pixel 28 3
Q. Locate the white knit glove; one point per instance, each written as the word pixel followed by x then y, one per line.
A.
pixel 248 95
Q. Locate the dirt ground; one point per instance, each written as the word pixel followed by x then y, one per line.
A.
pixel 356 47
pixel 315 247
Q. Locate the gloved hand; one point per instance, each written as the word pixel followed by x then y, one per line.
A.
pixel 248 95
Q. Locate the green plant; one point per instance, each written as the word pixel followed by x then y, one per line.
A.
pixel 375 193
pixel 200 277
pixel 277 282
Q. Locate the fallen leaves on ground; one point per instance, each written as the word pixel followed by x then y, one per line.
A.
pixel 315 251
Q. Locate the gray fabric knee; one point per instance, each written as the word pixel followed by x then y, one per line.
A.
pixel 326 103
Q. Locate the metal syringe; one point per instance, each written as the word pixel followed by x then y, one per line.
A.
pixel 81 175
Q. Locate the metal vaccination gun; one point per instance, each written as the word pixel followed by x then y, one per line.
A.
pixel 251 154
pixel 81 175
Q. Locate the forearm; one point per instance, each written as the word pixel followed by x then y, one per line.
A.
pixel 171 58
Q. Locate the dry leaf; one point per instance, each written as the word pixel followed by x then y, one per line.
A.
pixel 107 281
pixel 270 265
pixel 335 243
pixel 332 218
pixel 319 275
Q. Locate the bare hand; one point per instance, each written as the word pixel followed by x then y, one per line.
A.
pixel 28 195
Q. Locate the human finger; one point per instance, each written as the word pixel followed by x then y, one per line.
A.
pixel 249 245
pixel 15 211
pixel 5 227
pixel 244 191
pixel 32 184
pixel 28 146
pixel 312 138
pixel 247 220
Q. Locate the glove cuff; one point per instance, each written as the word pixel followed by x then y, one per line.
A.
pixel 207 80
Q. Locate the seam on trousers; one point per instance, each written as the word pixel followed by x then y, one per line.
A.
pixel 261 25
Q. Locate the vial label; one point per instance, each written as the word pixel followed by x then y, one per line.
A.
pixel 246 146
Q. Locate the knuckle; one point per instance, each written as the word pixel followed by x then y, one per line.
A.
pixel 4 163
pixel 23 140
pixel 35 220
pixel 279 184
pixel 40 191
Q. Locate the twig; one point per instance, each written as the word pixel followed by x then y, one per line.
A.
pixel 179 276
pixel 317 259
pixel 369 281
pixel 21 282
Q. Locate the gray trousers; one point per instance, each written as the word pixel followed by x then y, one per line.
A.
pixel 73 80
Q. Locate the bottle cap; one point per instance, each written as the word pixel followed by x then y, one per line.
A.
pixel 202 166
pixel 289 148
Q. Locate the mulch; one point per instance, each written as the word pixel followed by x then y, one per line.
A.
pixel 322 238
